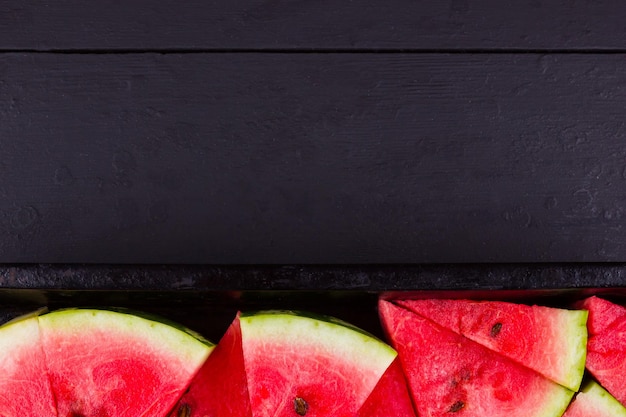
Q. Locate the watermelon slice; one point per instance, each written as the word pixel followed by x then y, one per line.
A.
pixel 24 384
pixel 449 374
pixel 551 341
pixel 286 364
pixel 594 401
pixel 220 387
pixel 606 349
pixel 390 397
pixel 317 368
pixel 105 363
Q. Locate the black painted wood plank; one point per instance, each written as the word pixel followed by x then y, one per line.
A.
pixel 289 24
pixel 316 158
pixel 206 297
pixel 444 280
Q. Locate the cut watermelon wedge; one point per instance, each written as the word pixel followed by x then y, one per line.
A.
pixel 24 384
pixel 104 363
pixel 594 401
pixel 285 364
pixel 390 397
pixel 220 387
pixel 317 368
pixel 606 349
pixel 551 341
pixel 449 374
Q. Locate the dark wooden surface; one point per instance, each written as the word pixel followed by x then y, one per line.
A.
pixel 325 24
pixel 312 158
pixel 294 132
pixel 505 280
pixel 206 298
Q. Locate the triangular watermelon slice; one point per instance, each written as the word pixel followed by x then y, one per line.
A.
pixel 24 384
pixel 449 374
pixel 594 401
pixel 606 349
pixel 220 387
pixel 552 341
pixel 317 368
pixel 105 363
pixel 283 364
pixel 390 397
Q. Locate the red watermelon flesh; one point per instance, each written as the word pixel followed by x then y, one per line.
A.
pixel 594 401
pixel 220 387
pixel 24 384
pixel 606 349
pixel 390 397
pixel 107 364
pixel 449 374
pixel 551 341
pixel 278 370
pixel 298 365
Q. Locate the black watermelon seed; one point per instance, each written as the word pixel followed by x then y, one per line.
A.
pixel 495 329
pixel 184 411
pixel 301 406
pixel 457 406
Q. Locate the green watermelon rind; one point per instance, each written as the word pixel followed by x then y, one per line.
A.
pixel 601 397
pixel 313 316
pixel 578 336
pixel 557 402
pixel 147 316
pixel 166 321
pixel 169 338
pixel 296 327
pixel 26 316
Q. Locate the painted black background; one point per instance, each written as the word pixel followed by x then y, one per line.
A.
pixel 296 132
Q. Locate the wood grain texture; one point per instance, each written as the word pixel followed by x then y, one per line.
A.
pixel 207 298
pixel 314 158
pixel 36 282
pixel 297 24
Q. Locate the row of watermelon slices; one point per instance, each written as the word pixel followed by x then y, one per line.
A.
pixel 454 357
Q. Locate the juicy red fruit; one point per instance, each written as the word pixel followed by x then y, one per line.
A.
pixel 220 387
pixel 606 355
pixel 448 373
pixel 277 364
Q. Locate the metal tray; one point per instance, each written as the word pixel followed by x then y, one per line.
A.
pixel 206 298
